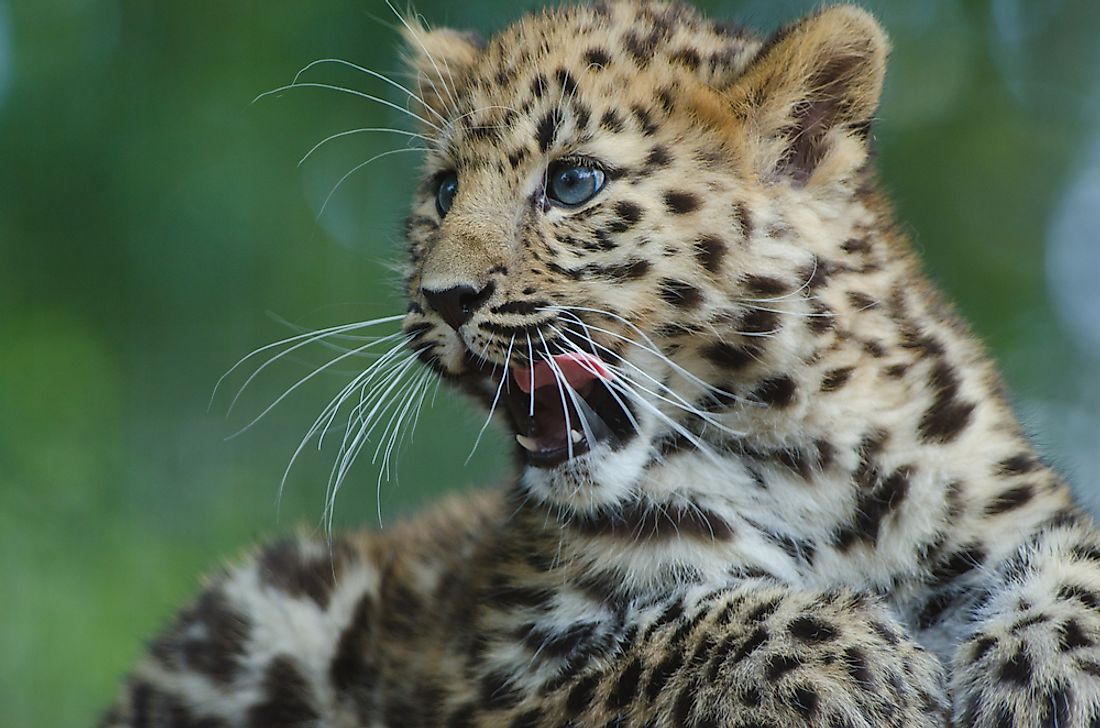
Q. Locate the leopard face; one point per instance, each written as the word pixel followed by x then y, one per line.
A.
pixel 620 222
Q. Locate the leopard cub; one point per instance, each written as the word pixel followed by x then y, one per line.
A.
pixel 765 477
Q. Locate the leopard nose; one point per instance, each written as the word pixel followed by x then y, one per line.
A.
pixel 457 304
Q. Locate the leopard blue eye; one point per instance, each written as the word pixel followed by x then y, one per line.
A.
pixel 445 193
pixel 572 185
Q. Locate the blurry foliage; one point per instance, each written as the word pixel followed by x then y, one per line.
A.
pixel 151 217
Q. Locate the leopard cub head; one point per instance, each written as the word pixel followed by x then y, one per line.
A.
pixel 619 204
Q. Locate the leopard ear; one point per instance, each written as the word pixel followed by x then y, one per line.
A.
pixel 440 59
pixel 808 99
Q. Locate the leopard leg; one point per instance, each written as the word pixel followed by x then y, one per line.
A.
pixel 756 655
pixel 1033 656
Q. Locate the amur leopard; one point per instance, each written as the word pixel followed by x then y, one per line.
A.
pixel 765 477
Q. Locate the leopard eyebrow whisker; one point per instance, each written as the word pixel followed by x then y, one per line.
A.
pixel 453 100
pixel 364 130
pixel 358 167
pixel 350 91
pixel 374 74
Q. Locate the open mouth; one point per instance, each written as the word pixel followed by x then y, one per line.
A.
pixel 563 407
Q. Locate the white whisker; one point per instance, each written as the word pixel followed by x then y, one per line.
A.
pixel 561 393
pixel 358 167
pixel 496 398
pixel 369 72
pixel 364 130
pixel 312 335
pixel 350 91
pixel 431 59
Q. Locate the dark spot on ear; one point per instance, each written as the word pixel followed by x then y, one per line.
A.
pixel 710 251
pixel 681 203
pixel 815 117
pixel 597 57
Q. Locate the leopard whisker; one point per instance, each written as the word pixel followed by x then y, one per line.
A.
pixel 355 169
pixel 324 419
pixel 649 347
pixel 681 404
pixel 346 353
pixel 561 392
pixel 625 386
pixel 394 430
pixel 584 365
pixel 349 91
pixel 351 446
pixel 374 74
pixel 496 399
pixel 585 427
pixel 362 130
pixel 453 99
pixel 312 336
pixel 299 383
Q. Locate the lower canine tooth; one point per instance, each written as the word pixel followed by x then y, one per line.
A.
pixel 527 443
pixel 577 437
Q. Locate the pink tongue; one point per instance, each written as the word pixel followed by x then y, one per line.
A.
pixel 578 369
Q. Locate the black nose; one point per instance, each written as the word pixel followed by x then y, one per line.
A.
pixel 456 305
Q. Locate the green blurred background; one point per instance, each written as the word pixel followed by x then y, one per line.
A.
pixel 154 227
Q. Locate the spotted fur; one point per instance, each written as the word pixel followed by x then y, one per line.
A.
pixel 823 512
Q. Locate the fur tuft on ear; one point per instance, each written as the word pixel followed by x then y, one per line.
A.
pixel 808 99
pixel 440 59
